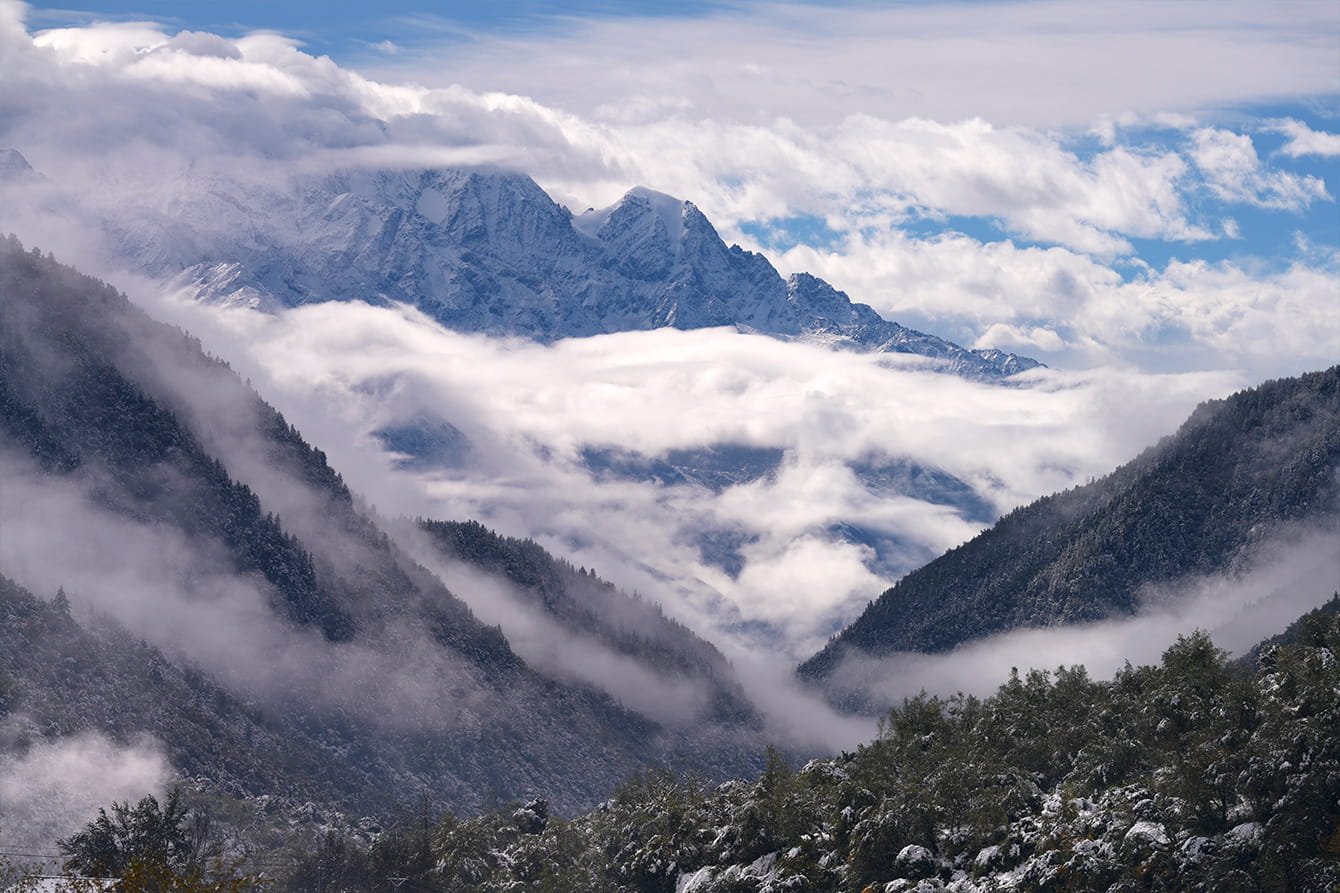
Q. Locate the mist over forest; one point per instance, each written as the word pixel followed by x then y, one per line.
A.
pixel 712 448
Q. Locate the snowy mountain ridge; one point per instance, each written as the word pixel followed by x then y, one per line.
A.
pixel 490 252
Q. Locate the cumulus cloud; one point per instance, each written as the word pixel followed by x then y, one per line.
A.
pixel 1073 311
pixel 1020 338
pixel 53 788
pixel 1234 173
pixel 1022 177
pixel 1303 140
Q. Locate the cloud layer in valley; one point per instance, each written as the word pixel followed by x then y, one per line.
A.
pixel 531 412
pixel 182 596
pixel 53 788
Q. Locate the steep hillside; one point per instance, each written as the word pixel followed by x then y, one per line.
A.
pixel 1233 475
pixel 160 488
pixel 597 616
pixel 1302 629
pixel 60 677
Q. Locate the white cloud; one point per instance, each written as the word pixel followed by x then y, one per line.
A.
pixel 1021 339
pixel 54 788
pixel 1022 177
pixel 1234 172
pixel 1070 310
pixel 806 576
pixel 1285 323
pixel 1042 64
pixel 1303 140
pixel 342 370
pixel 955 283
pixel 101 44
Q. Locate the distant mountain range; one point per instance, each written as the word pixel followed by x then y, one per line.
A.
pixel 1237 473
pixel 486 251
pixel 489 251
pixel 380 685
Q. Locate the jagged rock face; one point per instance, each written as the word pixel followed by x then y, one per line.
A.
pixel 490 252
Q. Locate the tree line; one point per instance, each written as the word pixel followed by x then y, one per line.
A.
pixel 1198 773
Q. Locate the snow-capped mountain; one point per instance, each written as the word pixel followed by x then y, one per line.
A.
pixel 490 252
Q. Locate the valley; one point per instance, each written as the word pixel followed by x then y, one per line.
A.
pixel 669 448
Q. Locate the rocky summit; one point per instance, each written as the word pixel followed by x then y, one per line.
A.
pixel 491 252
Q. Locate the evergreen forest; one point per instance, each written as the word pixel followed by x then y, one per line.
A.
pixel 1197 774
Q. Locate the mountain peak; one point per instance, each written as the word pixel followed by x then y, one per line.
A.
pixel 641 215
pixel 814 295
pixel 486 250
pixel 14 166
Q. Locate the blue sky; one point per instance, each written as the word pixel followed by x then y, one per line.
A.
pixel 344 30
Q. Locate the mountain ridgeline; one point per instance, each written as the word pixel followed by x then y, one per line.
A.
pixel 489 251
pixel 118 434
pixel 594 612
pixel 1238 472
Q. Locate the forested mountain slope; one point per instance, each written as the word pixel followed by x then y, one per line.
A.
pixel 1191 775
pixel 1199 502
pixel 595 614
pixel 60 678
pixel 156 484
